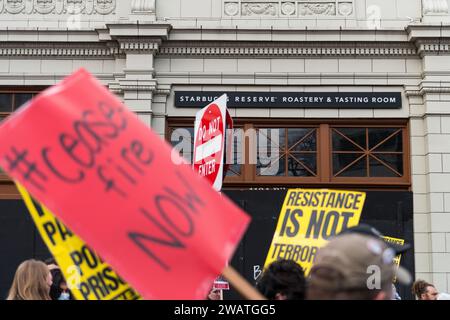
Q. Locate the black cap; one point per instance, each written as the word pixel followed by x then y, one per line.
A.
pixel 366 229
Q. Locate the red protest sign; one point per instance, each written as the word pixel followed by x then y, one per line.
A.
pixel 211 124
pixel 112 181
pixel 221 285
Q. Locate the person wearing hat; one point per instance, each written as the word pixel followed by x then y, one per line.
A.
pixel 368 230
pixel 355 266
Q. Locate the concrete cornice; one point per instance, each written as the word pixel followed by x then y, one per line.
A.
pixel 159 38
pixel 430 39
pixel 112 48
pixel 285 49
pixel 155 30
pixel 429 87
pixel 63 50
pixel 427 31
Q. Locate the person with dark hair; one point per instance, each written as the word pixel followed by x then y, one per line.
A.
pixel 283 280
pixel 424 290
pixel 354 267
pixel 59 289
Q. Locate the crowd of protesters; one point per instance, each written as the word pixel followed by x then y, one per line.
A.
pixel 342 270
pixel 355 265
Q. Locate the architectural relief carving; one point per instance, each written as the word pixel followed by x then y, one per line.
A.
pixel 259 9
pixel 142 6
pixel 318 9
pixel 287 8
pixel 435 6
pixel 345 8
pixel 46 7
pixel 14 6
pixel 231 8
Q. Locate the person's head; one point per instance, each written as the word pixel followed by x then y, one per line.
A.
pixel 283 280
pixel 354 267
pixel 424 290
pixel 32 281
pixel 215 294
pixel 59 286
pixel 368 230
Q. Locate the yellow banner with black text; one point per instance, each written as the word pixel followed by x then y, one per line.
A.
pixel 308 218
pixel 87 275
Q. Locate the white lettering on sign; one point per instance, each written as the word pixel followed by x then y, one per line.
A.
pixel 254 99
pixel 352 99
pixel 214 125
pixel 208 148
pixel 207 168
pixel 384 100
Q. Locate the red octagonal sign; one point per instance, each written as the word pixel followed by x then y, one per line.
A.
pixel 209 141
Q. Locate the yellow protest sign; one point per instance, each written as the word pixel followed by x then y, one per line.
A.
pixel 399 256
pixel 308 218
pixel 87 276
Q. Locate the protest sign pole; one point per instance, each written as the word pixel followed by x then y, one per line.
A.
pixel 207 131
pixel 241 285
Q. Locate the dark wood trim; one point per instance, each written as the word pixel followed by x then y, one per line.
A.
pixel 324 144
pixel 22 89
pixel 8 190
pixel 324 176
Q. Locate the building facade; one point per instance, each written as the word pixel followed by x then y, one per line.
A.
pixel 385 65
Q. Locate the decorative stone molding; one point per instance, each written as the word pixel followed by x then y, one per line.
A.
pixel 430 47
pixel 231 9
pixel 259 9
pixel 287 8
pixel 317 9
pixel 435 7
pixel 143 6
pixel 300 49
pixel 425 90
pixel 46 7
pixel 146 45
pixel 163 90
pixel 102 50
pixel 345 8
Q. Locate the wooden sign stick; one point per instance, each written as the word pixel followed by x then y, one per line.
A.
pixel 242 285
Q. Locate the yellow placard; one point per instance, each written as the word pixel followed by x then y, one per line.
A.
pixel 399 256
pixel 310 217
pixel 87 276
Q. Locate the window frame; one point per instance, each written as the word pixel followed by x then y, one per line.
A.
pixel 288 179
pixel 404 179
pixel 7 187
pixel 325 178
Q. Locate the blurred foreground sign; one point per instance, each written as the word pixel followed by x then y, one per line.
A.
pixel 87 275
pixel 80 152
pixel 308 218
